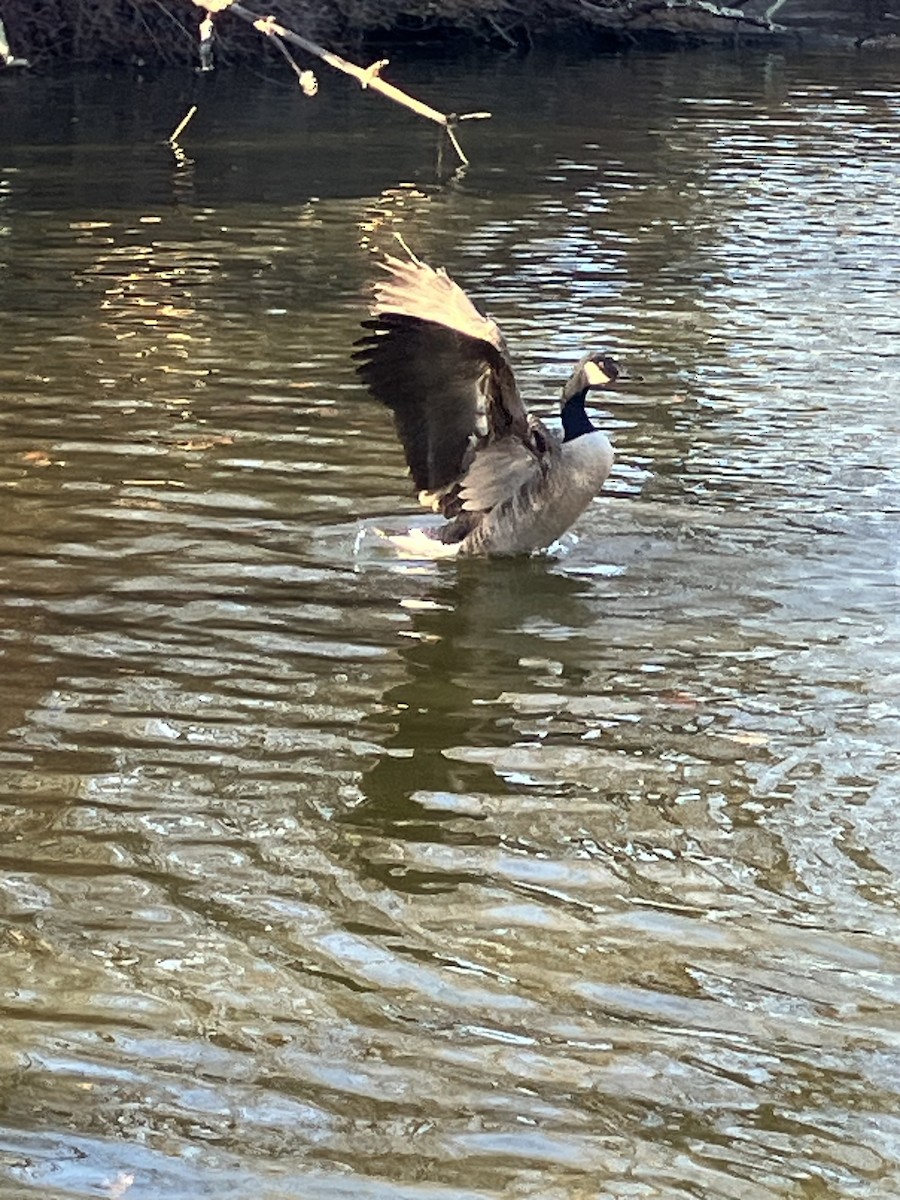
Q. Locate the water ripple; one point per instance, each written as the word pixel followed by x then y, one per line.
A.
pixel 324 874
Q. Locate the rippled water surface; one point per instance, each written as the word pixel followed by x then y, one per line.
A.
pixel 330 875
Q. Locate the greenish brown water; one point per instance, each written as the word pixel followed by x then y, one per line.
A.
pixel 329 875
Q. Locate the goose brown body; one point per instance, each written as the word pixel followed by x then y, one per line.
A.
pixel 504 482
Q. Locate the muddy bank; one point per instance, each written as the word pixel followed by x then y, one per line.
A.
pixel 150 32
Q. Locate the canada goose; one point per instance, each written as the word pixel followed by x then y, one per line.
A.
pixel 503 480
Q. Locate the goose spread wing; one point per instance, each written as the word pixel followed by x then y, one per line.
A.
pixel 442 368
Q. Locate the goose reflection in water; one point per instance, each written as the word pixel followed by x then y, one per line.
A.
pixel 473 636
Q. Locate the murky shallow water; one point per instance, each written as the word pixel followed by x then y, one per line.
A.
pixel 325 875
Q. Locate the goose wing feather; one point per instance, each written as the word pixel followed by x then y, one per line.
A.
pixel 413 289
pixel 498 471
pixel 442 368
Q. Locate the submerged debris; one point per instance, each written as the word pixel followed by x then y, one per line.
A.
pixel 7 58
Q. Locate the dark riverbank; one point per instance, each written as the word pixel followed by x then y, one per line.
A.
pixel 156 32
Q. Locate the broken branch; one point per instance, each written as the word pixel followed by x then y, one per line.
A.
pixel 367 77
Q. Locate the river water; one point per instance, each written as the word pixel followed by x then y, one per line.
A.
pixel 328 874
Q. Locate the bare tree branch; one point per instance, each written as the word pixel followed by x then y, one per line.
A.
pixel 674 16
pixel 367 77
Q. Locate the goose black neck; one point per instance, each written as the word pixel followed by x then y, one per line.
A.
pixel 575 420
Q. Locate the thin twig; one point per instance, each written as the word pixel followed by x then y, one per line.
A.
pixel 182 125
pixel 501 32
pixel 171 16
pixel 306 79
pixel 773 9
pixel 454 142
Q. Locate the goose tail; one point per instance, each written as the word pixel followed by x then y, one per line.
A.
pixel 418 543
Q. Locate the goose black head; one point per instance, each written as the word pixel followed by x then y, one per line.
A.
pixel 595 371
